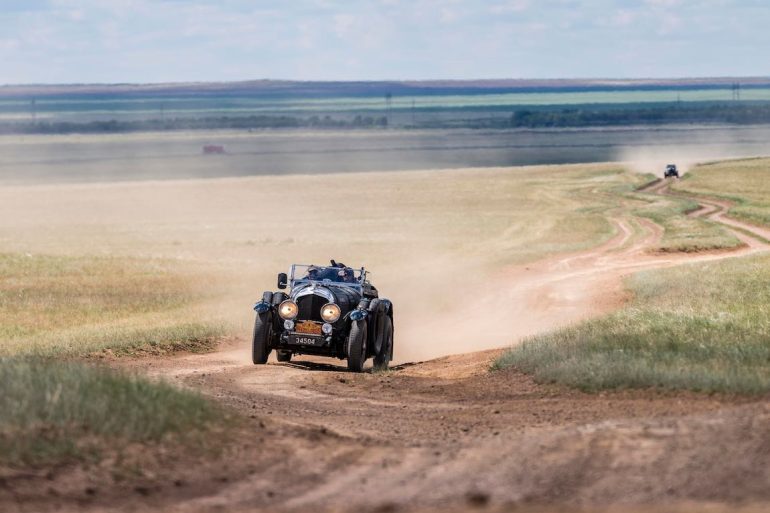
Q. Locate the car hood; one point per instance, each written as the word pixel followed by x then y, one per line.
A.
pixel 347 298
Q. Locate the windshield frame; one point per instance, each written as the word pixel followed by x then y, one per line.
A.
pixel 360 275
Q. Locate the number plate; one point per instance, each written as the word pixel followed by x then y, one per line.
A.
pixel 305 340
pixel 308 328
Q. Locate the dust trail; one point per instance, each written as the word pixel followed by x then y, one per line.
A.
pixel 654 158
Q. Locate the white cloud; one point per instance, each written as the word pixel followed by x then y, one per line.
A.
pixel 148 40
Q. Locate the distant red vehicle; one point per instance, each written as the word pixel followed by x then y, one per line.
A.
pixel 213 149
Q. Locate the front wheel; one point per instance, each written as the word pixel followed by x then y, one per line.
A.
pixel 356 346
pixel 260 343
pixel 382 359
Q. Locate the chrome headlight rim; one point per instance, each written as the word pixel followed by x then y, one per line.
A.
pixel 288 310
pixel 331 313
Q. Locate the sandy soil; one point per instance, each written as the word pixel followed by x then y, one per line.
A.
pixel 446 434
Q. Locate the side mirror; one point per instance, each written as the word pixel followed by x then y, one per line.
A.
pixel 282 280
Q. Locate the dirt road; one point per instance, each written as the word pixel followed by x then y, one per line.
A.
pixel 448 435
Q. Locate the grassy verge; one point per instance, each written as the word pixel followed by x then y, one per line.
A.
pixel 745 182
pixel 54 409
pixel 703 327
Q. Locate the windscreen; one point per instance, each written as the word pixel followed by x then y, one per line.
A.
pixel 301 273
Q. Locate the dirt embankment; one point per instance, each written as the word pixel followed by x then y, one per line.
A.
pixel 447 435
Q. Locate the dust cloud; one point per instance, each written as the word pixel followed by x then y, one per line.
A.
pixel 699 148
pixel 412 229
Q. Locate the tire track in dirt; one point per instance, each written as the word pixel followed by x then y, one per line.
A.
pixel 756 238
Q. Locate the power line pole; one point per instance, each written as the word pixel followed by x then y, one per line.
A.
pixel 388 105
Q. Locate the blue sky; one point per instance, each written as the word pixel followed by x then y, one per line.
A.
pixel 68 41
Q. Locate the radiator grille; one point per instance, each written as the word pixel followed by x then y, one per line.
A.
pixel 310 307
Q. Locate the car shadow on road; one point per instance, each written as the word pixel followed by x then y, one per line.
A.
pixel 328 367
pixel 314 366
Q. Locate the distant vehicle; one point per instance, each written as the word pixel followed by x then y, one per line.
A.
pixel 671 171
pixel 329 311
pixel 213 149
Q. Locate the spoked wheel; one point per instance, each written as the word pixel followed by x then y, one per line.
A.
pixel 356 346
pixel 260 344
pixel 383 357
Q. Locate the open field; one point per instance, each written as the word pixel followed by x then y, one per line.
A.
pixel 473 258
pixel 179 263
pixel 75 306
pixel 177 155
pixel 419 235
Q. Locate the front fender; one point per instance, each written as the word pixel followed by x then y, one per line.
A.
pixel 262 307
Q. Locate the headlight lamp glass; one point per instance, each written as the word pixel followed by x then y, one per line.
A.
pixel 288 310
pixel 327 329
pixel 330 312
pixel 288 325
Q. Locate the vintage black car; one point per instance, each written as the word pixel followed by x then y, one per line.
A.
pixel 671 171
pixel 329 311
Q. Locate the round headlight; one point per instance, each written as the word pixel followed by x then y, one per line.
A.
pixel 288 325
pixel 327 329
pixel 288 309
pixel 330 312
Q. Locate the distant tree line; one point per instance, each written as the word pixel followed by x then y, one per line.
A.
pixel 730 114
pixel 222 122
pixel 739 114
pixel 743 113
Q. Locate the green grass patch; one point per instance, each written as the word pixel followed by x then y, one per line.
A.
pixel 54 411
pixel 703 327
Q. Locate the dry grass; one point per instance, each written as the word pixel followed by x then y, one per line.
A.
pixel 73 306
